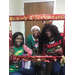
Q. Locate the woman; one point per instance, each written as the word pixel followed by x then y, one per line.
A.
pixel 50 43
pixel 32 40
pixel 19 49
pixel 32 43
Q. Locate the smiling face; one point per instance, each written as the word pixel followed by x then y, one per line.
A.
pixel 35 32
pixel 48 33
pixel 19 40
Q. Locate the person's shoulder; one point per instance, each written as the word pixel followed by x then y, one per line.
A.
pixel 58 36
pixel 29 36
pixel 61 34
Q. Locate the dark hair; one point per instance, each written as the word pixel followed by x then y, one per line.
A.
pixel 43 36
pixel 15 35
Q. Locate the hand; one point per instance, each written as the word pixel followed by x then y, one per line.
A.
pixel 46 55
pixel 11 49
pixel 11 52
pixel 59 51
pixel 27 55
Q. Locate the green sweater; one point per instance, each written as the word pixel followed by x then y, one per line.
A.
pixel 31 42
pixel 18 51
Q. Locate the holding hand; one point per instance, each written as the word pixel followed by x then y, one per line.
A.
pixel 27 55
pixel 11 52
pixel 59 51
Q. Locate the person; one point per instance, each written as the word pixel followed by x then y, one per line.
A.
pixel 19 49
pixel 32 43
pixel 50 44
pixel 32 40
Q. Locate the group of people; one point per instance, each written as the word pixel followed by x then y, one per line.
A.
pixel 47 43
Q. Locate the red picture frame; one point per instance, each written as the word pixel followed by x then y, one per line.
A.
pixel 37 18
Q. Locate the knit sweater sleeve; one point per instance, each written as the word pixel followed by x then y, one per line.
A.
pixel 27 49
pixel 29 41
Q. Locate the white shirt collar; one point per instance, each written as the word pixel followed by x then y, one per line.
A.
pixel 33 38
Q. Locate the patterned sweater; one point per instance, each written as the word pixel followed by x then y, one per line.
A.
pixel 50 46
pixel 32 43
pixel 19 51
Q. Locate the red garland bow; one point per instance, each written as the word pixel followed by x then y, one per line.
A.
pixel 35 40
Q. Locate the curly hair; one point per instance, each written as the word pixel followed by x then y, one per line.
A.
pixel 42 37
pixel 14 37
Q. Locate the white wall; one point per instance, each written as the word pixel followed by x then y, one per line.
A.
pixel 16 8
pixel 59 9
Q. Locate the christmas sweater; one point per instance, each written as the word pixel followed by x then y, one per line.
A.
pixel 49 47
pixel 32 44
pixel 18 51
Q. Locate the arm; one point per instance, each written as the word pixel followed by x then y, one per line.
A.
pixel 27 49
pixel 11 53
pixel 59 51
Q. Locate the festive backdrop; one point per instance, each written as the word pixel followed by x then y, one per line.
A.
pixel 10 35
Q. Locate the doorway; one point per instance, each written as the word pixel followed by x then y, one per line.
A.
pixel 36 8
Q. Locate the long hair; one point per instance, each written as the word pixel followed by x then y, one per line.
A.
pixel 43 36
pixel 14 37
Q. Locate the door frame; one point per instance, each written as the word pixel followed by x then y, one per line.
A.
pixel 40 1
pixel 34 2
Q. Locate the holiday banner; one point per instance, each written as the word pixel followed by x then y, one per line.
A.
pixel 39 59
pixel 10 35
pixel 37 17
pixel 43 17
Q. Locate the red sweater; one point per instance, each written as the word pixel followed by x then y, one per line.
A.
pixel 55 44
